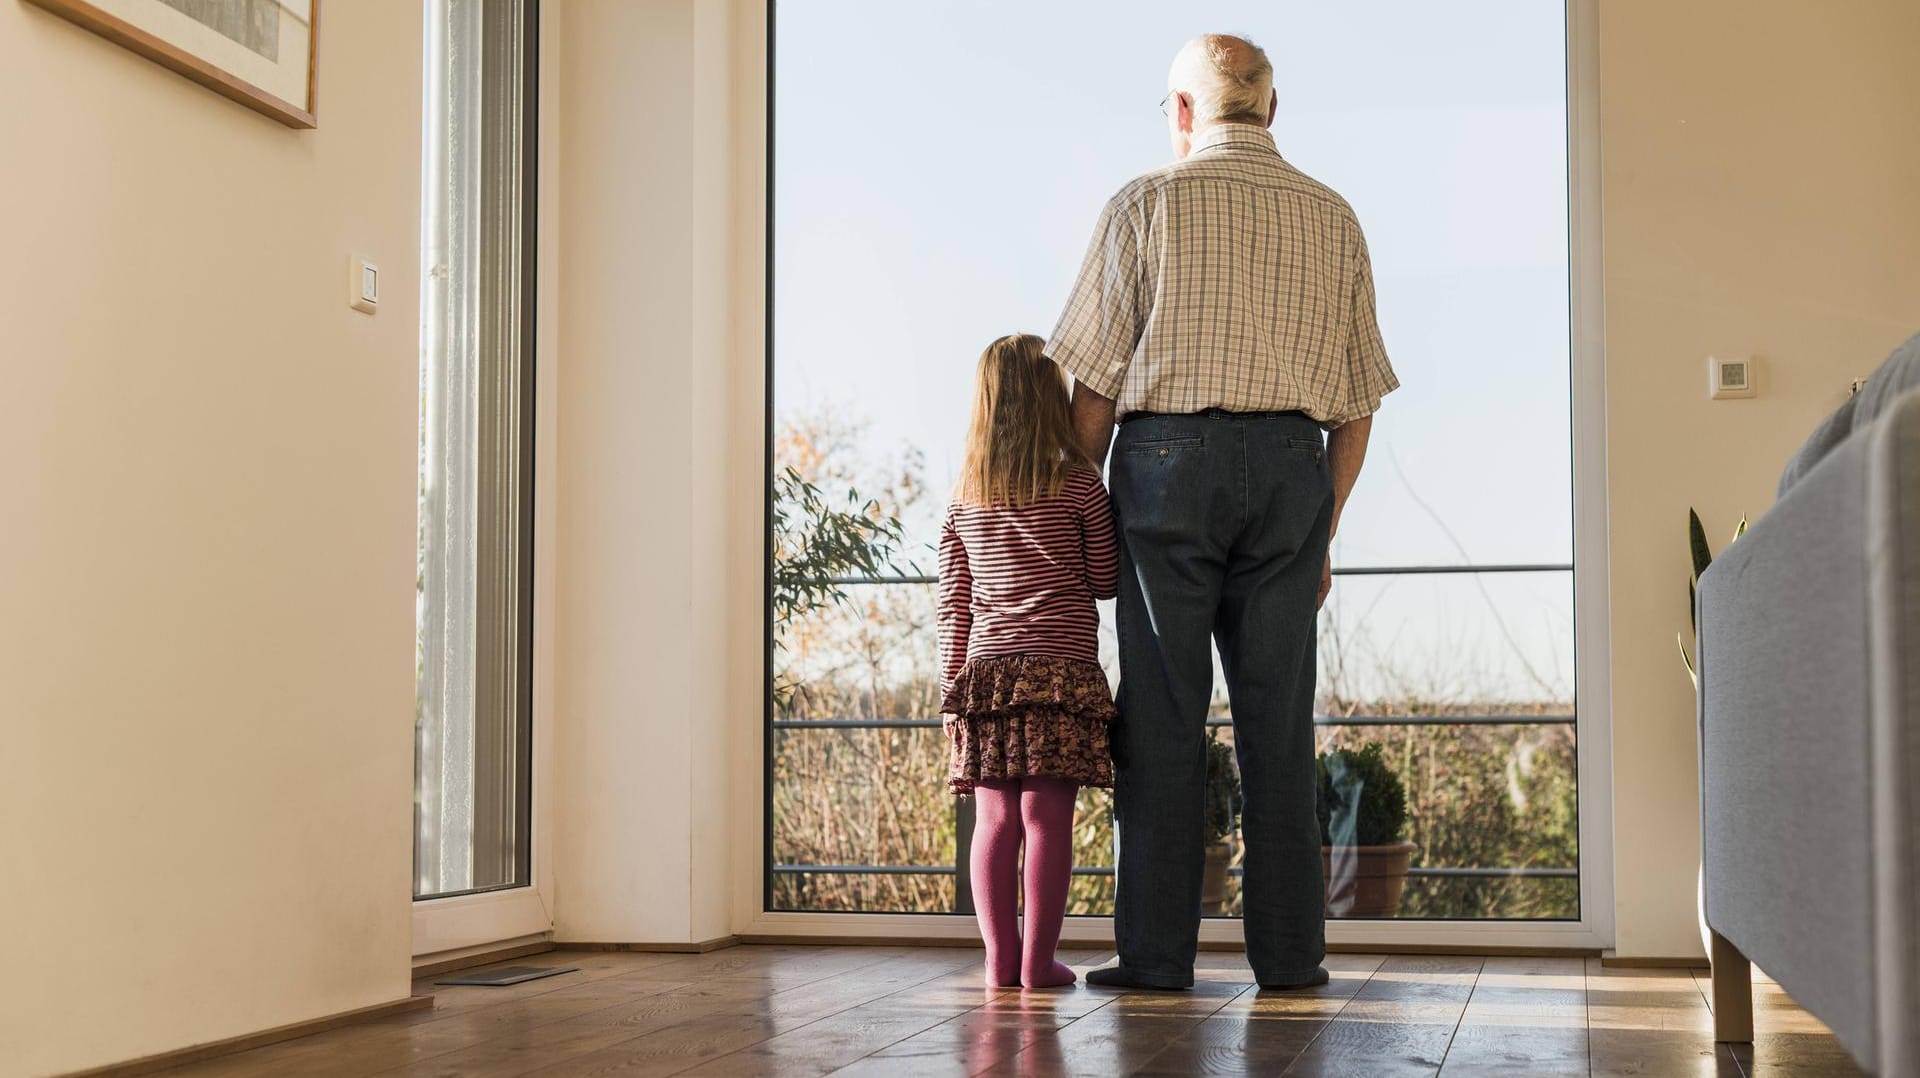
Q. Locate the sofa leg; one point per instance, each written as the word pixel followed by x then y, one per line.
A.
pixel 1732 992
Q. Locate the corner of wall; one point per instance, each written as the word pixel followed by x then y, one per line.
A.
pixel 746 465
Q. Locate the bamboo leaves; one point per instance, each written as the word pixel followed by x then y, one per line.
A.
pixel 1702 555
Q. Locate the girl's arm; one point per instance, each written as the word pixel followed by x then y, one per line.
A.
pixel 956 604
pixel 1099 547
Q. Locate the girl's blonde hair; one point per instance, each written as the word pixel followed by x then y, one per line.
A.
pixel 1020 442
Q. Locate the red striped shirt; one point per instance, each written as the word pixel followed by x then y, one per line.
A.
pixel 1022 580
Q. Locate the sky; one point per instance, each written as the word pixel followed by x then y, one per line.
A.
pixel 938 170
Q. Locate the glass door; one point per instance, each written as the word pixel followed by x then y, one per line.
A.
pixel 927 199
pixel 473 772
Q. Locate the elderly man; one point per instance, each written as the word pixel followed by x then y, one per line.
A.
pixel 1225 316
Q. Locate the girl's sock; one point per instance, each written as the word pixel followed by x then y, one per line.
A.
pixel 1046 810
pixel 995 864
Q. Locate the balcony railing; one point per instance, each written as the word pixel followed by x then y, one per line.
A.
pixel 1348 570
pixel 963 807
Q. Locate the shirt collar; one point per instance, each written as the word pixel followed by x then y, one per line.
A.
pixel 1233 134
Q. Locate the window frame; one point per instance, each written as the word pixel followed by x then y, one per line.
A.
pixel 448 924
pixel 1593 930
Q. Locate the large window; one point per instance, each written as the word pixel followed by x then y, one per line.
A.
pixel 937 171
pixel 473 767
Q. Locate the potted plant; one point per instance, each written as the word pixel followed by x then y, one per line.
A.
pixel 1363 810
pixel 1223 818
pixel 1702 556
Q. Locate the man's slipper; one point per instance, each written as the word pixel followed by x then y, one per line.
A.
pixel 1312 980
pixel 1119 977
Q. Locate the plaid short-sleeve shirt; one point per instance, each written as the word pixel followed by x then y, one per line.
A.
pixel 1228 279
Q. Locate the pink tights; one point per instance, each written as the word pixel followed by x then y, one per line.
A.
pixel 1040 811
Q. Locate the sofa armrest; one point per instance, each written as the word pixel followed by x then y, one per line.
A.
pixel 1785 753
pixel 1893 625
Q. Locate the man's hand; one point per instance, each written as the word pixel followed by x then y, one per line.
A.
pixel 1326 583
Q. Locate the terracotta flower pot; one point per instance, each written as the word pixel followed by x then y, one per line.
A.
pixel 1365 881
pixel 1213 882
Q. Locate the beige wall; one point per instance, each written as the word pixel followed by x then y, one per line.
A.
pixel 645 439
pixel 207 560
pixel 1761 195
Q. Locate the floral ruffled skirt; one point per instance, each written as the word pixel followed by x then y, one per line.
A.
pixel 1028 716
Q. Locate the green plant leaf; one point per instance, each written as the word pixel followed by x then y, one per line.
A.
pixel 1697 541
pixel 1693 601
pixel 816 542
pixel 1741 529
pixel 1692 674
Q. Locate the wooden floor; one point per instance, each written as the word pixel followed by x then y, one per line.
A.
pixel 923 1013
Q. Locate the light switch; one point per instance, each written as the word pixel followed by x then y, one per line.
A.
pixel 1730 376
pixel 363 286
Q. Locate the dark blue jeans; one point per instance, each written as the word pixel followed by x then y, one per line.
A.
pixel 1223 523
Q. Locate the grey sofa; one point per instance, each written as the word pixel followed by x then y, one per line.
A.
pixel 1809 658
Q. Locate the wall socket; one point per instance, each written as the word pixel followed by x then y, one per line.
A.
pixel 1730 377
pixel 363 285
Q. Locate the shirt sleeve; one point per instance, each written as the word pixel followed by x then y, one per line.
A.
pixel 956 604
pixel 1368 376
pixel 1106 311
pixel 1099 545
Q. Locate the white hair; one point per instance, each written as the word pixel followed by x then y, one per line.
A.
pixel 1229 78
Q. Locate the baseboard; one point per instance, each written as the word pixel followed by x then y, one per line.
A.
pixel 717 943
pixel 1609 960
pixel 776 939
pixel 434 967
pixel 247 1042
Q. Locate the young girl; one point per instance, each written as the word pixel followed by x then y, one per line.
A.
pixel 1027 546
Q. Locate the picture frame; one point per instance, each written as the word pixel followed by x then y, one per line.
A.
pixel 259 53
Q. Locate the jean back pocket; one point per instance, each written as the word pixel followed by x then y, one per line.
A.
pixel 1161 445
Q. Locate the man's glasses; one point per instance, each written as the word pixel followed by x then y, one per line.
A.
pixel 1163 102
